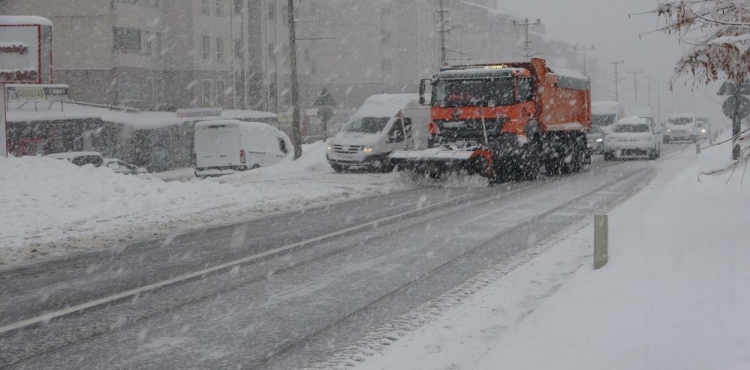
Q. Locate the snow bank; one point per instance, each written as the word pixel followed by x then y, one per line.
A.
pixel 52 207
pixel 673 296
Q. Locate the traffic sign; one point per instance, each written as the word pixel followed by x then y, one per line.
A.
pixel 730 88
pixel 736 105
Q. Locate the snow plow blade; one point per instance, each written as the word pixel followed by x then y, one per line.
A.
pixel 438 161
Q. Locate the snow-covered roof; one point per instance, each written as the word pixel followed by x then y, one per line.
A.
pixel 260 126
pixel 139 120
pixel 632 120
pixel 15 20
pixel 385 105
pixel 569 73
pixel 493 11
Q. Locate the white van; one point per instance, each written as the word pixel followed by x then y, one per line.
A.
pixel 383 124
pixel 228 146
pixel 605 114
pixel 681 127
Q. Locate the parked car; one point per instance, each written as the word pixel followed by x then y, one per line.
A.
pixel 80 158
pixel 383 124
pixel 633 137
pixel 120 166
pixel 229 146
pixel 595 140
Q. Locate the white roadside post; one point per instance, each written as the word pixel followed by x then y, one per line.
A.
pixel 601 241
pixel 3 127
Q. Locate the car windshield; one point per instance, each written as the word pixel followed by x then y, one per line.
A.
pixel 485 91
pixel 603 119
pixel 680 121
pixel 627 128
pixel 367 125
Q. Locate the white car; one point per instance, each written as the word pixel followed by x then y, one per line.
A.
pixel 633 137
pixel 123 167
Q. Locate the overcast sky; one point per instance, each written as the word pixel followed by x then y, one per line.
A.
pixel 605 24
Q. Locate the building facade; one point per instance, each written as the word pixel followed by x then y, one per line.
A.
pixel 150 54
pixel 167 54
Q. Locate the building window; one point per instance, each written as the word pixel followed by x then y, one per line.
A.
pixel 129 89
pixel 205 8
pixel 147 42
pixel 127 39
pixel 272 50
pixel 238 48
pixel 237 6
pixel 220 93
pixel 387 66
pixel 206 48
pixel 160 89
pixel 219 49
pixel 158 44
pixel 386 37
pixel 219 10
pixel 152 94
pixel 206 92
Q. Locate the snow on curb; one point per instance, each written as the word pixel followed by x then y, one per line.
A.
pixel 51 207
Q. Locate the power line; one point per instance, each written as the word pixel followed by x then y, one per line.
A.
pixel 617 78
pixel 635 84
pixel 584 49
pixel 527 42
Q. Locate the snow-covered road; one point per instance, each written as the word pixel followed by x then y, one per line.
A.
pixel 293 288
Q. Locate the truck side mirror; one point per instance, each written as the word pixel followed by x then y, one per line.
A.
pixel 422 89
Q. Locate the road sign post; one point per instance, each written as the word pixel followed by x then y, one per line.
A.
pixel 3 127
pixel 736 107
pixel 601 241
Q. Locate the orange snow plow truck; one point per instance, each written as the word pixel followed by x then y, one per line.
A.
pixel 504 121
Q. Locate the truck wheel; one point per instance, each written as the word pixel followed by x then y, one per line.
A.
pixel 608 157
pixel 531 161
pixel 337 168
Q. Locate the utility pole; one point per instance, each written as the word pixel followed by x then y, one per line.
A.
pixel 442 32
pixel 617 79
pixel 635 84
pixel 648 89
pixel 584 49
pixel 296 133
pixel 527 42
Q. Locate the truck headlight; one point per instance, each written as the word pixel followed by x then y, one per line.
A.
pixel 599 140
pixel 330 148
pixel 366 150
pixel 703 131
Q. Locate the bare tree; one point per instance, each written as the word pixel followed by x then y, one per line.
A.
pixel 718 32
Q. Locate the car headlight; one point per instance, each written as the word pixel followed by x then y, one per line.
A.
pixel 703 131
pixel 599 140
pixel 668 130
pixel 330 148
pixel 366 150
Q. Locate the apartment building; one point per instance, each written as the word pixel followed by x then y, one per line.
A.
pixel 153 54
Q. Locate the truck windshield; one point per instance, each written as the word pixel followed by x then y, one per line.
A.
pixel 680 121
pixel 368 125
pixel 631 128
pixel 603 119
pixel 499 91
